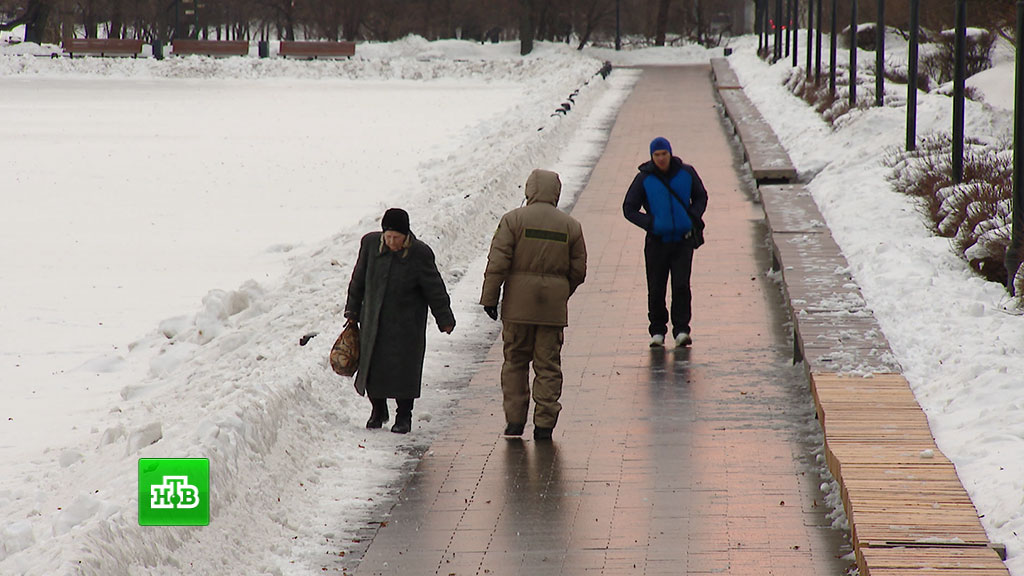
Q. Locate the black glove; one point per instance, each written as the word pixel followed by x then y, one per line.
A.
pixel 491 311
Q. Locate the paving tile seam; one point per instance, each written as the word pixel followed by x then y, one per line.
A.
pixel 785 244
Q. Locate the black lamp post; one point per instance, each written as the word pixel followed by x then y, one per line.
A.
pixel 915 16
pixel 959 86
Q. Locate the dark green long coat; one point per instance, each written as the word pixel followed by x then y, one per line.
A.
pixel 389 295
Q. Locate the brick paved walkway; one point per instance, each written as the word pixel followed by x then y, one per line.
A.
pixel 664 462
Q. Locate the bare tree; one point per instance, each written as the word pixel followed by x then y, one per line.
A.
pixel 594 15
pixel 661 24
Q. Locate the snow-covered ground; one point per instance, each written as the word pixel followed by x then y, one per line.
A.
pixel 216 204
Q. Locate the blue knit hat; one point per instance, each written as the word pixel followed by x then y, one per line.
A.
pixel 660 143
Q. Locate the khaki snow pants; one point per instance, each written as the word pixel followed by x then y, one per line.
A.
pixel 542 345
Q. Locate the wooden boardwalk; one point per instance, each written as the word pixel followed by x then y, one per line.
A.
pixel 907 508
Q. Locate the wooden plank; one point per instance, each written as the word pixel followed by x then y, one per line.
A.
pixel 102 46
pixel 306 49
pixel 937 561
pixel 187 46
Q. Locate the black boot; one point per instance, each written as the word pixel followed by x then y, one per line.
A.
pixel 379 415
pixel 542 433
pixel 514 429
pixel 403 417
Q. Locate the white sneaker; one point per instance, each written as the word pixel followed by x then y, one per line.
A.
pixel 657 341
pixel 683 339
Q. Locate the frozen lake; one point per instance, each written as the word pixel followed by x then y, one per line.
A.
pixel 128 199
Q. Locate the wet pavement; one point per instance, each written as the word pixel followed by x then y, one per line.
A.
pixel 664 461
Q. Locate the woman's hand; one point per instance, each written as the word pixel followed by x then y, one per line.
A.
pixel 447 329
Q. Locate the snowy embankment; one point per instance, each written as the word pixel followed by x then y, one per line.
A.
pixel 962 353
pixel 293 472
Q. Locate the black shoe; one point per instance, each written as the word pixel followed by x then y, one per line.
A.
pixel 377 419
pixel 514 429
pixel 542 433
pixel 403 424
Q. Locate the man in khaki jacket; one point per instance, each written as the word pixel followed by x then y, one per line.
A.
pixel 539 256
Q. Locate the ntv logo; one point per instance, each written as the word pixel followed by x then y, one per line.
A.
pixel 174 492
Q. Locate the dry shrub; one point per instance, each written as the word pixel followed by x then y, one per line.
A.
pixel 974 214
pixel 939 64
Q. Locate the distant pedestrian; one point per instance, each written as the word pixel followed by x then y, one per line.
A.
pixel 667 199
pixel 539 257
pixel 394 282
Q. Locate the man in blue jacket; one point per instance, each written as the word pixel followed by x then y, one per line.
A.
pixel 667 199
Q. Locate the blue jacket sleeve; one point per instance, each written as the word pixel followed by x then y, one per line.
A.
pixel 636 198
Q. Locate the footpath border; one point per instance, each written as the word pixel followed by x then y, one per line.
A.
pixel 908 511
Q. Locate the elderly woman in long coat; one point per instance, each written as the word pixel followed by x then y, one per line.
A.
pixel 394 282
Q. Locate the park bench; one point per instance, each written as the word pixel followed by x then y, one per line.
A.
pixel 185 47
pixel 316 50
pixel 102 47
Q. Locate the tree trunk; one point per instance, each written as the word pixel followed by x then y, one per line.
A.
pixel 661 26
pixel 38 18
pixel 526 27
pixel 352 20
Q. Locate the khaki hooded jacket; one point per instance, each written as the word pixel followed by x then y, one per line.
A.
pixel 538 255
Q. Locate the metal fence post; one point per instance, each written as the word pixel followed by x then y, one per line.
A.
pixel 833 47
pixel 778 31
pixel 810 35
pixel 853 54
pixel 959 85
pixel 880 55
pixel 788 25
pixel 817 64
pixel 915 16
pixel 1013 251
pixel 795 28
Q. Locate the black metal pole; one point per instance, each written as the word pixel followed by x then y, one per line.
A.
pixel 959 85
pixel 817 64
pixel 915 18
pixel 880 55
pixel 618 24
pixel 789 25
pixel 810 35
pixel 1013 251
pixel 832 49
pixel 853 54
pixel 795 26
pixel 778 31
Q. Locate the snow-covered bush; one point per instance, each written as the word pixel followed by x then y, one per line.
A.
pixel 938 63
pixel 974 214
